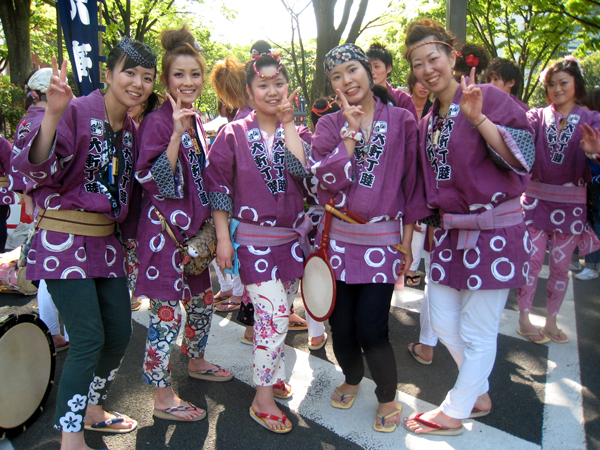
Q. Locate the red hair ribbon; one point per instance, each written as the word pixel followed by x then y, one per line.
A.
pixel 472 61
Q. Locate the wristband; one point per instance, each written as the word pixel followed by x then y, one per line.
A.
pixel 345 133
pixel 477 126
pixel 592 155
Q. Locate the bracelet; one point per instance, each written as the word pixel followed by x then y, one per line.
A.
pixel 477 126
pixel 592 155
pixel 345 133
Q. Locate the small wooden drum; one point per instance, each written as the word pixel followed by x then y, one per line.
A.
pixel 13 278
pixel 318 282
pixel 27 363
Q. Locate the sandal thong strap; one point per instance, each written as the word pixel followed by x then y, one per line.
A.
pixel 429 424
pixel 209 371
pixel 342 395
pixel 108 422
pixel 281 419
pixel 180 408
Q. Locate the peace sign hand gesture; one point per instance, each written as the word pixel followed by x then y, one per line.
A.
pixel 181 116
pixel 59 93
pixel 590 142
pixel 285 111
pixel 472 99
pixel 351 113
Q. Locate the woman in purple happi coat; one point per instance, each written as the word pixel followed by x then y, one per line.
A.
pixel 79 161
pixel 250 175
pixel 476 149
pixel 555 201
pixel 171 169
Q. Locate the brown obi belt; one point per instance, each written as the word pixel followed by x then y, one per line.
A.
pixel 4 182
pixel 82 223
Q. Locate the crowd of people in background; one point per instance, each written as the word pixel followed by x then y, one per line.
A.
pixel 457 169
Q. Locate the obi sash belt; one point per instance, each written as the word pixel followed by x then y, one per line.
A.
pixel 556 193
pixel 507 214
pixel 81 223
pixel 373 234
pixel 4 182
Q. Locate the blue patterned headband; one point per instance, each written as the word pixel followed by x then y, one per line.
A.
pixel 135 56
pixel 342 54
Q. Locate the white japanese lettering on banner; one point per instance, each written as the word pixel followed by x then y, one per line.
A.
pixel 82 62
pixel 81 7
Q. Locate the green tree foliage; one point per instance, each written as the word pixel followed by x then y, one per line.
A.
pixel 11 108
pixel 591 70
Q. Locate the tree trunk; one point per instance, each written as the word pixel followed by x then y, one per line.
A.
pixel 15 23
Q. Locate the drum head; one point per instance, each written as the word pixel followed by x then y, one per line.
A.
pixel 318 287
pixel 26 371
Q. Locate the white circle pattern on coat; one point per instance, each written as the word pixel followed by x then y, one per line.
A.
pixel 469 265
pixel 178 284
pixel 270 222
pixel 493 243
pixel 477 284
pixel 152 273
pixel 252 210
pixel 335 247
pixel 54 259
pixel 577 211
pixel 532 206
pixel 114 255
pixel 161 243
pixel 497 274
pixel 498 196
pixel 8 199
pixel 446 258
pixel 40 175
pixel 372 263
pixel 396 268
pixel 73 269
pixel 383 278
pixel 347 169
pixel 259 261
pixel 295 255
pixel 527 242
pixel 78 257
pixel 441 239
pixel 159 197
pixel 553 218
pixel 342 201
pixel 187 292
pixel 577 227
pixel 343 275
pixel 337 259
pixel 174 261
pixel 112 275
pixel 173 219
pixel 31 252
pixel 392 250
pixel 56 248
pixel 154 221
pixel 255 252
pixel 436 267
pixel 274 273
pixel 329 178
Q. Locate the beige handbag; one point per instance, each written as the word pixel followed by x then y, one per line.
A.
pixel 198 251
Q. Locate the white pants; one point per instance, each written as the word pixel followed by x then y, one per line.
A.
pixel 427 336
pixel 315 329
pixel 48 311
pixel 416 246
pixel 228 281
pixel 467 322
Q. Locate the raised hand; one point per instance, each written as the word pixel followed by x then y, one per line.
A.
pixel 351 113
pixel 590 142
pixel 59 93
pixel 285 111
pixel 472 99
pixel 181 116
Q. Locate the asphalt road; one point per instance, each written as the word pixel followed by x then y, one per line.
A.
pixel 544 396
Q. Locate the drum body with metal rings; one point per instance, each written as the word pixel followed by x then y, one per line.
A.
pixel 27 364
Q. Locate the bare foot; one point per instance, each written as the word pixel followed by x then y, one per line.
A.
pixel 315 341
pixel 346 389
pixel 263 403
pixel 73 441
pixel 525 327
pixel 230 304
pixel 59 340
pixel 197 365
pixel 436 416
pixel 281 389
pixel 424 352
pixel 295 318
pixel 386 408
pixel 223 294
pixel 166 398
pixel 483 403
pixel 249 333
pixel 95 414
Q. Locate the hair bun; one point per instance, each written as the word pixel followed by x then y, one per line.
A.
pixel 171 39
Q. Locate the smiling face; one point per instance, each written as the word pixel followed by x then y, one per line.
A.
pixel 353 80
pixel 420 91
pixel 432 66
pixel 267 93
pixel 380 71
pixel 185 74
pixel 561 90
pixel 130 87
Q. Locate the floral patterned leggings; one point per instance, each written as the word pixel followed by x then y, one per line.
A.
pixel 165 320
pixel 272 300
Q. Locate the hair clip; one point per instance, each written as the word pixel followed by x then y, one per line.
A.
pixel 276 57
pixel 472 61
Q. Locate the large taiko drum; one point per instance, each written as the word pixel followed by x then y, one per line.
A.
pixel 27 364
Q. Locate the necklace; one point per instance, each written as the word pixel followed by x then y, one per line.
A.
pixel 113 165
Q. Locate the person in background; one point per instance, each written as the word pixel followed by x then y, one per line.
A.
pixel 471 55
pixel 506 76
pixel 382 64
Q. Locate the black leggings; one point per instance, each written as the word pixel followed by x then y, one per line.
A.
pixel 360 320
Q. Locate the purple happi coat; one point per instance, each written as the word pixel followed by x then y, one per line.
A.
pixel 69 179
pixel 463 175
pixel 523 106
pixel 403 100
pixel 559 160
pixel 15 180
pixel 260 191
pixel 182 199
pixel 381 183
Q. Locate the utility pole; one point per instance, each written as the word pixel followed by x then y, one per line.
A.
pixel 456 19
